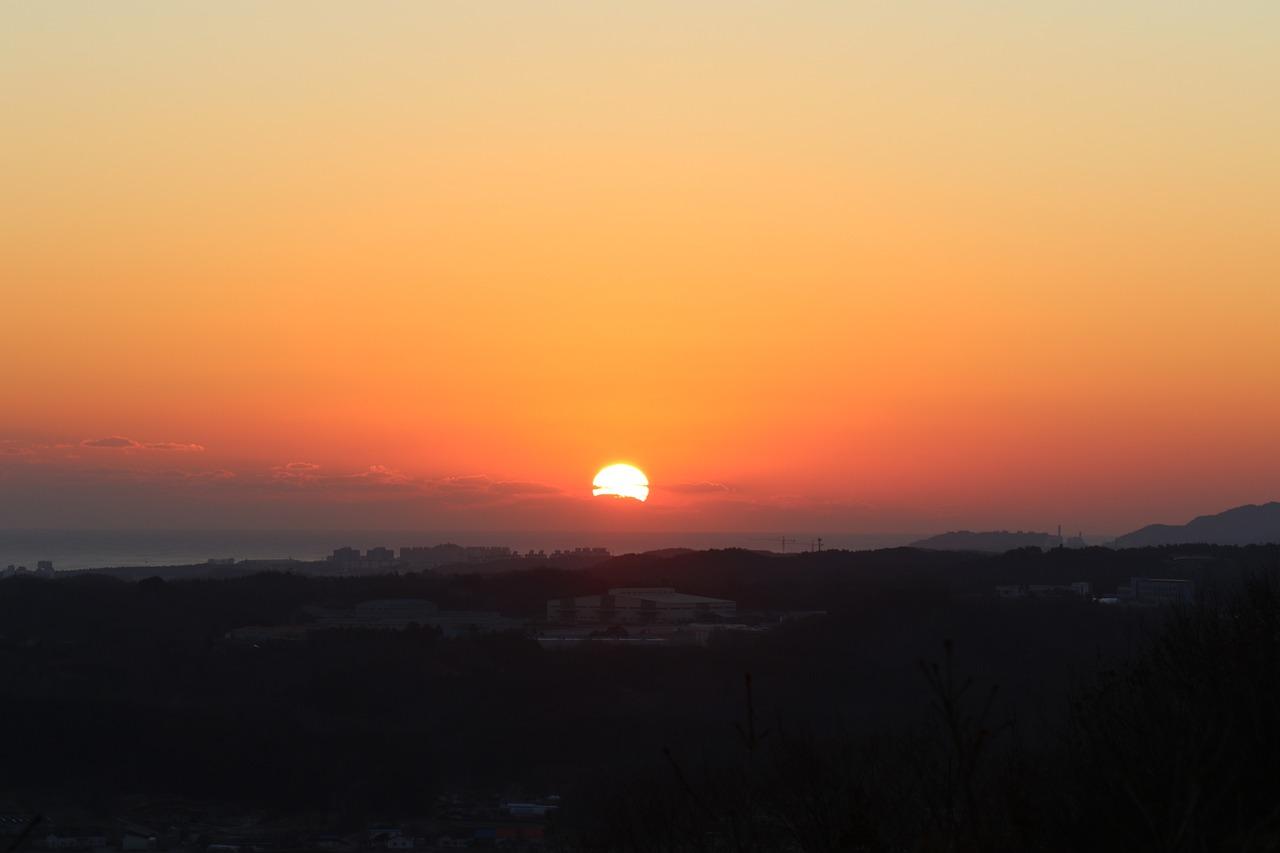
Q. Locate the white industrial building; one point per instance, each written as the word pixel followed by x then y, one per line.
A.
pixel 397 614
pixel 387 614
pixel 1044 590
pixel 1153 591
pixel 639 606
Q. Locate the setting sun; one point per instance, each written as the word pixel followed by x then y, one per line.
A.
pixel 621 481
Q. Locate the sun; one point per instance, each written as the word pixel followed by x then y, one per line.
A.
pixel 621 481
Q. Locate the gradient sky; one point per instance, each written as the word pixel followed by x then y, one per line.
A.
pixel 844 266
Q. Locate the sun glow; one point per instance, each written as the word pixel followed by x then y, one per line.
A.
pixel 621 481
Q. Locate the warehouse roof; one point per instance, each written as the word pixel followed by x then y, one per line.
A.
pixel 665 595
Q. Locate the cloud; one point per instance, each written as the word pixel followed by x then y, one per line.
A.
pixel 704 488
pixel 466 481
pixel 210 476
pixel 114 441
pixel 295 471
pixel 482 484
pixel 370 481
pixel 475 490
pixel 517 488
pixel 381 474
pixel 119 442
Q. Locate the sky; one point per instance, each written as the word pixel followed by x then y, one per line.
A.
pixel 844 266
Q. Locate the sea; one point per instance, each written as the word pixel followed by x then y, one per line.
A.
pixel 96 549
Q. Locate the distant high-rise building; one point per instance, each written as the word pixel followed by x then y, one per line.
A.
pixel 345 557
pixel 448 554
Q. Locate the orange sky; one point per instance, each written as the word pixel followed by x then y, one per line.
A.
pixel 892 267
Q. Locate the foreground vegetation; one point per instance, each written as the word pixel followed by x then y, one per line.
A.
pixel 1174 750
pixel 920 713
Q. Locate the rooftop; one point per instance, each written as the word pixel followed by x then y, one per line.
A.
pixel 665 595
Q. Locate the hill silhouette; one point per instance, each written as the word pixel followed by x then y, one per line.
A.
pixel 1252 524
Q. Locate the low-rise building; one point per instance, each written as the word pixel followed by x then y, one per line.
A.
pixel 137 836
pixel 75 841
pixel 397 614
pixel 262 634
pixel 1155 591
pixel 16 823
pixel 44 569
pixel 385 614
pixel 639 606
pixel 1044 590
pixel 529 809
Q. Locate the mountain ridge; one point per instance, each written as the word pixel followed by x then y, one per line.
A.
pixel 1250 524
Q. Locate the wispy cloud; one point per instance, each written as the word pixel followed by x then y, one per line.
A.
pixel 484 485
pixel 702 488
pixel 295 471
pixel 114 442
pixel 366 482
pixel 179 446
pixel 119 442
pixel 381 474
pixel 215 476
pixel 512 487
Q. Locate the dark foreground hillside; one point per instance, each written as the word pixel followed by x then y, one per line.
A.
pixel 1174 750
pixel 1108 728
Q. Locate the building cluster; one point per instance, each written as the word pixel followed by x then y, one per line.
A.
pixel 580 554
pixel 20 829
pixel 1077 541
pixel 1080 589
pixel 390 614
pixel 397 614
pixel 577 556
pixel 448 554
pixel 351 560
pixel 643 617
pixel 514 826
pixel 1138 592
pixel 639 606
pixel 1152 592
pixel 43 569
pixel 457 822
pixel 419 557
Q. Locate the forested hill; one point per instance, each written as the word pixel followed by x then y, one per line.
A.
pixel 1244 525
pixel 993 541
